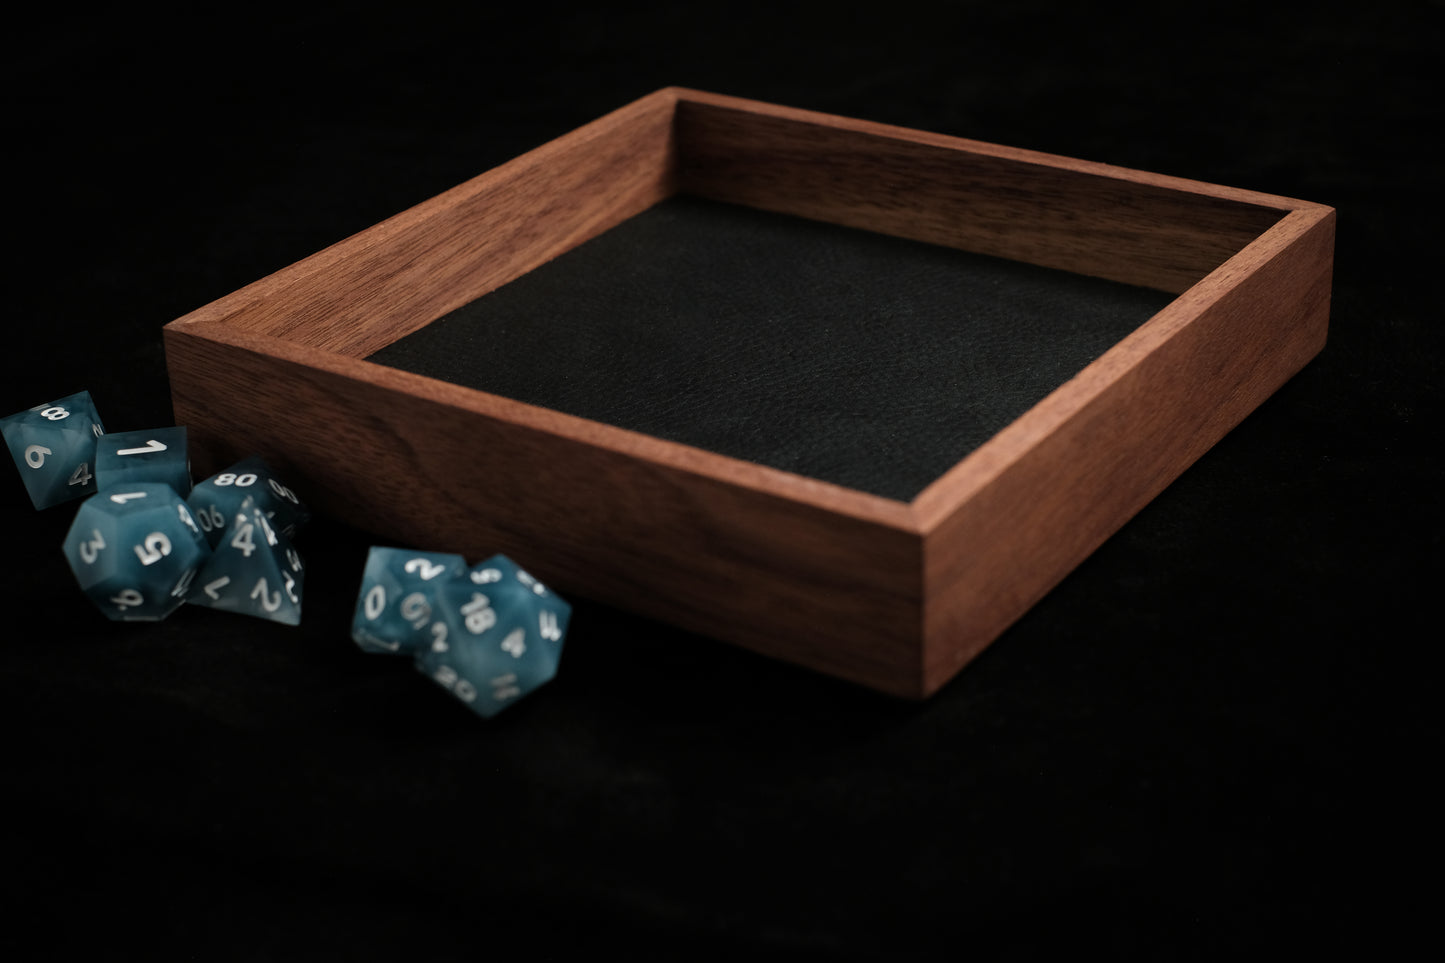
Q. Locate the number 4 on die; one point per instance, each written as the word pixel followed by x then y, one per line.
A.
pixel 253 570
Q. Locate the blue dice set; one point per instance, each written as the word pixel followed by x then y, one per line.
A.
pixel 488 634
pixel 145 541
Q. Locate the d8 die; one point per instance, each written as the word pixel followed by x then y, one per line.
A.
pixel 398 600
pixel 254 571
pixel 125 458
pixel 503 636
pixel 217 499
pixel 135 551
pixel 54 447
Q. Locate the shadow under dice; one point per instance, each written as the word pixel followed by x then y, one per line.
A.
pixel 254 570
pixel 54 448
pixel 502 636
pixel 135 551
pixel 217 499
pixel 125 458
pixel 398 601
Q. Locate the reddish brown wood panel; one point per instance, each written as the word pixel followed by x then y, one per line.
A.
pixel 365 292
pixel 1008 523
pixel 445 468
pixel 1046 211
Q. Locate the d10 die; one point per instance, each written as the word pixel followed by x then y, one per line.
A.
pixel 125 458
pixel 54 447
pixel 502 639
pixel 216 500
pixel 254 570
pixel 135 551
pixel 398 600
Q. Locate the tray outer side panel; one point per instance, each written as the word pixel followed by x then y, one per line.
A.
pixel 431 465
pixel 1016 516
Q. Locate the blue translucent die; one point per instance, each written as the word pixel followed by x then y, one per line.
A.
pixel 217 499
pixel 54 448
pixel 135 551
pixel 502 639
pixel 396 606
pixel 124 458
pixel 254 570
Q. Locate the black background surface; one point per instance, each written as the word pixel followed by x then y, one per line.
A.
pixel 1215 736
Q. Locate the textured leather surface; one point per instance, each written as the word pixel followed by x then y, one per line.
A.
pixel 864 360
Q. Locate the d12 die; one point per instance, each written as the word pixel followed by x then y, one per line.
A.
pixel 398 600
pixel 216 500
pixel 124 458
pixel 135 551
pixel 254 570
pixel 54 447
pixel 503 636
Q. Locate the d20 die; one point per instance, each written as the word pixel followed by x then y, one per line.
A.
pixel 503 636
pixel 396 606
pixel 217 499
pixel 135 551
pixel 125 458
pixel 254 570
pixel 54 448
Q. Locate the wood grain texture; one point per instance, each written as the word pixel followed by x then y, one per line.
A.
pixel 1055 212
pixel 383 283
pixel 891 595
pixel 1019 514
pixel 797 569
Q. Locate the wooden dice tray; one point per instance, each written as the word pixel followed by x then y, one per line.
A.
pixel 897 594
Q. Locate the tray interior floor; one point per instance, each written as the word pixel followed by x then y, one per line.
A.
pixel 859 359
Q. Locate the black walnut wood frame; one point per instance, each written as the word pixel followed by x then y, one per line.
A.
pixel 894 595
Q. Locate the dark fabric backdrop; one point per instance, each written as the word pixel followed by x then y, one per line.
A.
pixel 1216 736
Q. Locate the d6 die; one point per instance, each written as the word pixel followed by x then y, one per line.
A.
pixel 254 570
pixel 54 447
pixel 216 500
pixel 398 598
pixel 135 551
pixel 125 458
pixel 502 639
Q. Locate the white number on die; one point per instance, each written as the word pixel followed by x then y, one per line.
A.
pixel 184 585
pixel 81 475
pixel 515 643
pixel 460 687
pixel 55 413
pixel 90 550
pixel 35 455
pixel 505 687
pixel 270 602
pixel 428 570
pixel 152 445
pixel 242 539
pixel 283 491
pixel 374 603
pixel 127 599
pixel 210 518
pixel 479 613
pixel 414 609
pixel 231 478
pixel 155 547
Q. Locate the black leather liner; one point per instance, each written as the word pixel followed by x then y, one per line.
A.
pixel 868 361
